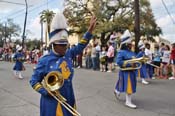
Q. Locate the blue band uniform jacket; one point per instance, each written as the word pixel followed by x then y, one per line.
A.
pixel 142 72
pixel 18 57
pixel 51 62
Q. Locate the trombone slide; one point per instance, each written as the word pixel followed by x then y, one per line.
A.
pixel 153 65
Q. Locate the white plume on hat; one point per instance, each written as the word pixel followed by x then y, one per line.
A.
pixel 126 37
pixel 59 22
pixel 141 45
pixel 19 48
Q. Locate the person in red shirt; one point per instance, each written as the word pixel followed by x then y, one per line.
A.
pixel 172 58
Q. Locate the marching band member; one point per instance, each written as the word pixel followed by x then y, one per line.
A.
pixel 127 78
pixel 59 59
pixel 142 73
pixel 149 54
pixel 18 67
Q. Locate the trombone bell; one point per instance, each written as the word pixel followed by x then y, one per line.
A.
pixel 52 83
pixel 54 80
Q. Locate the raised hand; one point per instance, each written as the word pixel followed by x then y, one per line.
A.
pixel 92 24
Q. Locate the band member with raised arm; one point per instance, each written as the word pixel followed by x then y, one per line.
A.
pixel 59 59
pixel 127 78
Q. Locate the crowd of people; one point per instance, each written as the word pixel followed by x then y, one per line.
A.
pixel 102 58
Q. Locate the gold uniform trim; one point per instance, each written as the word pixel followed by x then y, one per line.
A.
pixel 37 86
pixel 124 64
pixel 129 85
pixel 83 41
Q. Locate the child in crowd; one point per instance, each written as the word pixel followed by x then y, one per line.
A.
pixel 103 59
pixel 156 59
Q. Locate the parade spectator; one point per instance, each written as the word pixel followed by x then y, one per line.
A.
pixel 110 56
pixel 113 38
pixel 165 62
pixel 87 54
pixel 94 57
pixel 103 59
pixel 172 58
pixel 79 60
pixel 157 60
pixel 98 50
pixel 162 48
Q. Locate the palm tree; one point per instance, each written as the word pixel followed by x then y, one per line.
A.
pixel 46 17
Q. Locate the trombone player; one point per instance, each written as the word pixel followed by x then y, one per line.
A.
pixel 127 74
pixel 142 72
pixel 59 60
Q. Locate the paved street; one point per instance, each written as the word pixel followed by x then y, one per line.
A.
pixel 94 95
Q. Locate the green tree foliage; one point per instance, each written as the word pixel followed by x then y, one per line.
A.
pixel 46 17
pixel 9 29
pixel 30 43
pixel 33 43
pixel 111 15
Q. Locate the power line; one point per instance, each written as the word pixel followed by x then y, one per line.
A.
pixel 168 12
pixel 12 2
pixel 20 12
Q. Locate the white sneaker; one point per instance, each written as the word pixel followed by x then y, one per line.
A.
pixel 109 71
pixel 144 82
pixel 153 78
pixel 78 67
pixel 171 78
pixel 20 77
pixel 117 94
pixel 131 105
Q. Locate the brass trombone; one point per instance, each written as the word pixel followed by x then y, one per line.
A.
pixel 52 83
pixel 153 65
pixel 137 61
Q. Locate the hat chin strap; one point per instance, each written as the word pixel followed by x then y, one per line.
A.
pixel 54 50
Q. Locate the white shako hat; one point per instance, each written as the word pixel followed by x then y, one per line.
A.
pixel 58 34
pixel 126 37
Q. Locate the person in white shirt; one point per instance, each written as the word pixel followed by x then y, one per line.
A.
pixel 103 59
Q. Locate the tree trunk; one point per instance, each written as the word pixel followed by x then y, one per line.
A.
pixel 137 24
pixel 103 39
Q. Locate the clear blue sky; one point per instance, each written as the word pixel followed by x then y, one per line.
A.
pixel 17 12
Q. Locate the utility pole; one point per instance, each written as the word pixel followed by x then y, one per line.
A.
pixel 137 24
pixel 5 33
pixel 25 21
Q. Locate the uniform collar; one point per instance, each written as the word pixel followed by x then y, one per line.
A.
pixel 55 54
